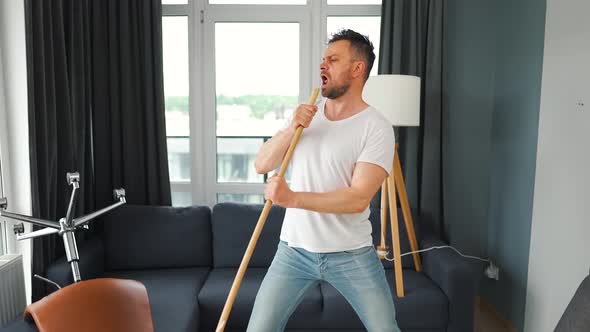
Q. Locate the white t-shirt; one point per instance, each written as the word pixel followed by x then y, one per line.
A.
pixel 324 161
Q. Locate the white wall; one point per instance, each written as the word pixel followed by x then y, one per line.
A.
pixel 560 234
pixel 14 129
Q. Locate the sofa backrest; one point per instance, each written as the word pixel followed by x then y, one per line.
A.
pixel 234 223
pixel 150 237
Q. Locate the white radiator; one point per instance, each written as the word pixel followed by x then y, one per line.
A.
pixel 12 288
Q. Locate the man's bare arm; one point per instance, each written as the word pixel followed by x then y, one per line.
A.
pixel 366 180
pixel 272 152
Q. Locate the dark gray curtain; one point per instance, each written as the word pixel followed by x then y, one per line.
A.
pixel 59 85
pixel 94 107
pixel 412 44
pixel 128 100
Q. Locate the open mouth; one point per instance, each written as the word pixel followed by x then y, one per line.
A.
pixel 324 79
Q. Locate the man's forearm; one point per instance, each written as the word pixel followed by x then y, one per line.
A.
pixel 346 200
pixel 272 152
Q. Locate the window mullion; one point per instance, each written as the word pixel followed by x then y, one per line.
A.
pixel 175 10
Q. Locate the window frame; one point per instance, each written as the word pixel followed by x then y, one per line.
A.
pixel 3 159
pixel 242 14
pixel 186 186
pixel 202 16
pixel 3 238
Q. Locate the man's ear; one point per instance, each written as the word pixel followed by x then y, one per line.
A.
pixel 358 69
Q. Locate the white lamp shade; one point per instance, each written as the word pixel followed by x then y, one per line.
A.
pixel 395 96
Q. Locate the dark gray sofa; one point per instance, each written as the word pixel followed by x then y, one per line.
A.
pixel 576 317
pixel 188 257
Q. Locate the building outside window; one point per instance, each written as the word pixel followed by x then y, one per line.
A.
pixel 234 72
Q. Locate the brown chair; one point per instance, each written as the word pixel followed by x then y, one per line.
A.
pixel 114 305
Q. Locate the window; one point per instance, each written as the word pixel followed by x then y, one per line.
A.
pixel 3 248
pixel 257 2
pixel 241 198
pixel 176 92
pixel 253 108
pixel 234 71
pixel 3 245
pixel 354 2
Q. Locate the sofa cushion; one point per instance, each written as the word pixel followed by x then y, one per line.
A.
pixel 375 218
pixel 150 237
pixel 424 306
pixel 172 294
pixel 233 225
pixel 214 294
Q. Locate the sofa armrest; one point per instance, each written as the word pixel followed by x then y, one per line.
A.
pixel 91 264
pixel 457 278
pixel 576 316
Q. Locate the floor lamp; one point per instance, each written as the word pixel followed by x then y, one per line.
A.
pixel 397 97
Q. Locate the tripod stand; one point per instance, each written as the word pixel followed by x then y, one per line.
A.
pixel 66 226
pixel 395 182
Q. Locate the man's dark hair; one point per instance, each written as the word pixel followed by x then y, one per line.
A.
pixel 361 45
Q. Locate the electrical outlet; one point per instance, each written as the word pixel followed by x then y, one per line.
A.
pixel 492 271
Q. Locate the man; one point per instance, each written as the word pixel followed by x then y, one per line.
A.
pixel 342 158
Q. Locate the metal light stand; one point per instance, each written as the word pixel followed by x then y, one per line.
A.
pixel 65 227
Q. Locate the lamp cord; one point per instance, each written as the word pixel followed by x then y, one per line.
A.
pixel 436 247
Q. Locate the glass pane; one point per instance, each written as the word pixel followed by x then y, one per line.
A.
pixel 179 160
pixel 235 160
pixel 257 77
pixel 366 25
pixel 174 2
pixel 240 198
pixel 2 235
pixel 180 198
pixel 354 2
pixel 175 56
pixel 276 171
pixel 258 2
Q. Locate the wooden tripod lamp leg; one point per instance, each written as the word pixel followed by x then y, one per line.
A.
pixel 397 263
pixel 408 220
pixel 383 246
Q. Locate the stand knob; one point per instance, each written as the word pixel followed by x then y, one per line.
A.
pixel 18 228
pixel 73 177
pixel 119 194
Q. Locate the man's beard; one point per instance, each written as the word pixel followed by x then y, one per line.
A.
pixel 337 91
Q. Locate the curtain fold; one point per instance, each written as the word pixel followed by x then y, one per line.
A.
pixel 128 117
pixel 412 44
pixel 96 106
pixel 59 118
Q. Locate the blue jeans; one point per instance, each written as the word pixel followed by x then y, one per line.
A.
pixel 357 274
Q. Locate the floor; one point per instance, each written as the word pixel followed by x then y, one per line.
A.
pixel 488 320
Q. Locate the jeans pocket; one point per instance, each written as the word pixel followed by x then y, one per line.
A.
pixel 359 251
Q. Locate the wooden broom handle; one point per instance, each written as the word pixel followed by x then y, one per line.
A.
pixel 258 229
